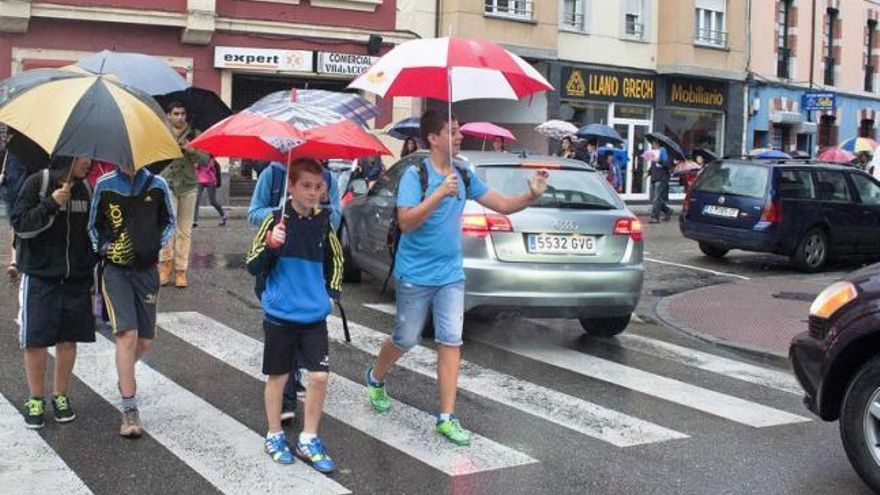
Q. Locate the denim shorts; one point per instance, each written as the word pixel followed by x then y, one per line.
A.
pixel 413 304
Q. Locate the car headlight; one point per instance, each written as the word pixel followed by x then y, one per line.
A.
pixel 834 297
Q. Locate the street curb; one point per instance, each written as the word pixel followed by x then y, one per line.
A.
pixel 661 309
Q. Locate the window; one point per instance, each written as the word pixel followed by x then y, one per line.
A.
pixel 831 186
pixel 783 51
pixel 866 128
pixel 520 9
pixel 869 191
pixel 633 25
pixel 831 19
pixel 827 131
pixel 796 184
pixel 574 15
pixel 869 49
pixel 709 23
pixel 734 178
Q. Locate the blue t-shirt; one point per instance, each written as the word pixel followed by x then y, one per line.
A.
pixel 431 254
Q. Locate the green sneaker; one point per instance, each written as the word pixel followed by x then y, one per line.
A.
pixel 376 393
pixel 63 411
pixel 452 430
pixel 33 417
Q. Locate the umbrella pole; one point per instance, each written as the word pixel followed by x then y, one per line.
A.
pixel 286 181
pixel 484 144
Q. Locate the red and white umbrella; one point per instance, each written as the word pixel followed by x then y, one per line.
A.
pixel 452 69
pixel 486 130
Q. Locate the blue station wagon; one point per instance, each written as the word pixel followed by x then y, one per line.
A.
pixel 807 211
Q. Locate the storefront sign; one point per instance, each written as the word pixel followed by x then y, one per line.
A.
pixel 259 59
pixel 818 101
pixel 588 84
pixel 696 94
pixel 344 64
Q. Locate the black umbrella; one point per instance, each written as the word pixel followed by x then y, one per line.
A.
pixel 203 108
pixel 599 132
pixel 708 156
pixel 28 151
pixel 666 141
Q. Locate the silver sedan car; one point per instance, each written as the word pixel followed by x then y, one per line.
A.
pixel 575 253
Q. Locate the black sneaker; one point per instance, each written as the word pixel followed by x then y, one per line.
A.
pixel 63 412
pixel 33 413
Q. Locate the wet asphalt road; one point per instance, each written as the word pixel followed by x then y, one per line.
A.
pixel 687 430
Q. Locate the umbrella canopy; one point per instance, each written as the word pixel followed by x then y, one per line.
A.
pixel 281 132
pixel 859 144
pixel 70 113
pixel 352 106
pixel 600 132
pixel 686 166
pixel 667 142
pixel 768 154
pixel 836 155
pixel 486 130
pixel 451 69
pixel 144 72
pixel 556 129
pixel 406 128
pixel 203 107
pixel 708 156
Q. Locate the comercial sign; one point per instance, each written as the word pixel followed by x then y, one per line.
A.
pixel 344 64
pixel 818 101
pixel 696 93
pixel 588 84
pixel 261 59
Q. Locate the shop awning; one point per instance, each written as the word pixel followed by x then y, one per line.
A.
pixel 785 117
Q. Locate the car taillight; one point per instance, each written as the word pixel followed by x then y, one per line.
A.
pixel 686 205
pixel 480 224
pixel 629 226
pixel 772 212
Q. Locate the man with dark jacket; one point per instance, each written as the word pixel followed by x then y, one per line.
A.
pixel 660 171
pixel 56 258
pixel 131 219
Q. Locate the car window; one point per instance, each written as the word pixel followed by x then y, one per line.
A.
pixel 869 191
pixel 796 184
pixel 738 179
pixel 573 188
pixel 830 186
pixel 386 185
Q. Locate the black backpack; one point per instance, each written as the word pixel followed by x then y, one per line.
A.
pixel 392 238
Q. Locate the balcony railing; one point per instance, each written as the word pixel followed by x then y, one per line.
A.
pixel 635 29
pixel 517 9
pixel 711 37
pixel 574 21
pixel 829 72
pixel 869 78
pixel 783 57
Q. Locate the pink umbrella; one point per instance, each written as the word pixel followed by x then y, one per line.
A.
pixel 486 130
pixel 836 155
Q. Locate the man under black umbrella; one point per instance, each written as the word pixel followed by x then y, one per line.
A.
pixel 660 171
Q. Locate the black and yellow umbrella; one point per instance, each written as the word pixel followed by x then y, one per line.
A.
pixel 70 112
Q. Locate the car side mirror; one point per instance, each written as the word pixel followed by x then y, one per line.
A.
pixel 359 187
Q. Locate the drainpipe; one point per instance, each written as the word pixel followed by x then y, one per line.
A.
pixel 812 60
pixel 437 13
pixel 746 99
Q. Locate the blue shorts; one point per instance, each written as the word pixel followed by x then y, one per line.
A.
pixel 413 304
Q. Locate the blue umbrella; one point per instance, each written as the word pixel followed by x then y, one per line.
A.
pixel 352 106
pixel 768 154
pixel 600 132
pixel 406 128
pixel 144 72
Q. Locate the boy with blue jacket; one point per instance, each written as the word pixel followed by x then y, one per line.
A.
pixel 303 273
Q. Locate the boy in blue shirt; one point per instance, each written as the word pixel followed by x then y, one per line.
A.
pixel 428 268
pixel 303 273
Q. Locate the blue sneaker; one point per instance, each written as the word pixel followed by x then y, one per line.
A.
pixel 315 455
pixel 278 450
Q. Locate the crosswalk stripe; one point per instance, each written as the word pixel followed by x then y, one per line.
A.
pixel 27 463
pixel 710 362
pixel 387 308
pixel 571 412
pixel 708 401
pixel 223 451
pixel 404 428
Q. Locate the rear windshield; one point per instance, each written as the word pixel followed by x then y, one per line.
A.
pixel 739 179
pixel 566 188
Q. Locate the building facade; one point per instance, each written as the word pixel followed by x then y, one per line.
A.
pixel 835 60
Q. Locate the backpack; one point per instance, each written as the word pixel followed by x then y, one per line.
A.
pixel 13 173
pixel 392 238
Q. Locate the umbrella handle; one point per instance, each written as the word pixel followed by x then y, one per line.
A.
pixel 286 181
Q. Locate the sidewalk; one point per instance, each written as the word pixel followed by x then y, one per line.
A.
pixel 759 316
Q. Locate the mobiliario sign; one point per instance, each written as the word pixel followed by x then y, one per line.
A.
pixel 344 64
pixel 259 59
pixel 591 84
pixel 702 94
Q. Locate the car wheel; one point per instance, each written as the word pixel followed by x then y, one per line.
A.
pixel 350 270
pixel 713 250
pixel 860 423
pixel 812 252
pixel 605 327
